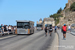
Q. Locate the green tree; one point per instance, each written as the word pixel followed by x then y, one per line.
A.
pixel 59 11
pixel 72 7
pixel 56 18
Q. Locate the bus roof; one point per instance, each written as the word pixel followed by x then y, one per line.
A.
pixel 23 21
pixel 39 24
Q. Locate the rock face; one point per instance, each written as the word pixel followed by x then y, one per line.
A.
pixel 68 19
pixel 69 3
pixel 68 16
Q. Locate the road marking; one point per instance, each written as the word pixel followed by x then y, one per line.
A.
pixel 7 37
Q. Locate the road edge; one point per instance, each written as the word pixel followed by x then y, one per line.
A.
pixel 55 43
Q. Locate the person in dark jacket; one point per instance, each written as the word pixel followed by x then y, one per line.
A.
pixel 46 31
pixel 5 28
pixel 50 30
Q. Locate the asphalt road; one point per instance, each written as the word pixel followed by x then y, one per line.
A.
pixel 36 41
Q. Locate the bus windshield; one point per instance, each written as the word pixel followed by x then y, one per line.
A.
pixel 22 24
pixel 49 25
pixel 38 25
pixel 26 27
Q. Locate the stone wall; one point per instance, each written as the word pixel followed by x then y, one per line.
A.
pixel 48 21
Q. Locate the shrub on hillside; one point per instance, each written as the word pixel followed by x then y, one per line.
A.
pixel 59 11
pixel 56 18
pixel 72 7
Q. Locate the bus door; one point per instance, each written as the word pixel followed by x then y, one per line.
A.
pixel 27 29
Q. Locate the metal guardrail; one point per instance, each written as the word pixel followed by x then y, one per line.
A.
pixel 73 31
pixel 7 33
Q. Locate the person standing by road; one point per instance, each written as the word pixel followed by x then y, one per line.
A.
pixel 2 31
pixel 5 28
pixel 14 28
pixel 69 28
pixel 9 28
pixel 64 29
pixel 1 27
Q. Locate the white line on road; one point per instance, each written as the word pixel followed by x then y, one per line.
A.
pixel 7 37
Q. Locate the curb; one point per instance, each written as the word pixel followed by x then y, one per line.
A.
pixel 58 40
pixel 55 43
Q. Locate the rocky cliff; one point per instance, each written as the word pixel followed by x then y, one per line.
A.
pixel 68 16
pixel 69 3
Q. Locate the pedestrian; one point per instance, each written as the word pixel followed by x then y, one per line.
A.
pixel 14 28
pixel 50 30
pixel 9 28
pixel 2 30
pixel 5 28
pixel 58 27
pixel 1 27
pixel 69 28
pixel 64 29
pixel 55 28
pixel 46 31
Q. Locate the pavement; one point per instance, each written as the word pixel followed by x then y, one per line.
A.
pixel 68 44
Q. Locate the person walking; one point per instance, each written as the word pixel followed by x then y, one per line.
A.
pixel 55 28
pixel 50 30
pixel 69 28
pixel 64 29
pixel 46 31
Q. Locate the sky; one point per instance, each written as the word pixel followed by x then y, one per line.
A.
pixel 12 10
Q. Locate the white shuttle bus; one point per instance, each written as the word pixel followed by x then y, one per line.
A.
pixel 39 27
pixel 24 27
